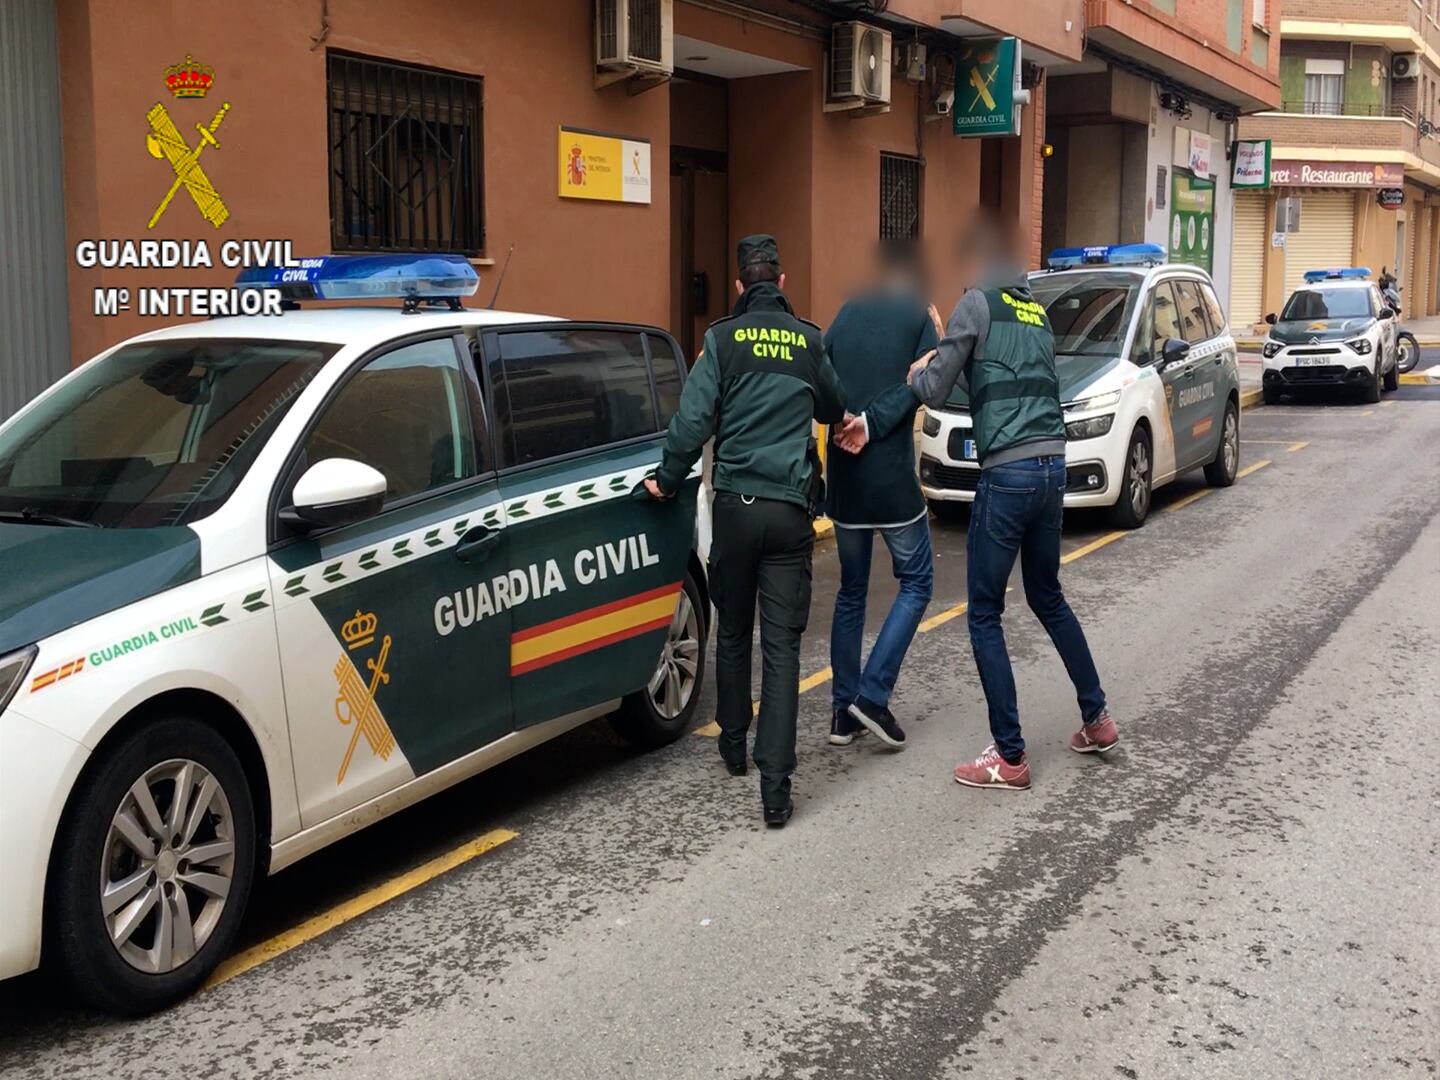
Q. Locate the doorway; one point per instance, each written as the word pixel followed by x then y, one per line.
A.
pixel 699 207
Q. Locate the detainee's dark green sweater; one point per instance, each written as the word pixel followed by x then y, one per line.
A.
pixel 872 343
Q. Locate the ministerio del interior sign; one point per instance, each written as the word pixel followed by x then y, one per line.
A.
pixel 609 168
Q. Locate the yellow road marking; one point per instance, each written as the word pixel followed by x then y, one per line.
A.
pixel 941 618
pixel 1252 468
pixel 1268 442
pixel 367 901
pixel 1194 496
pixel 1094 545
pixel 1368 412
pixel 709 731
pixel 1296 446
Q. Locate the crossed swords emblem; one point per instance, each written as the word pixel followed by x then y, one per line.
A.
pixel 165 141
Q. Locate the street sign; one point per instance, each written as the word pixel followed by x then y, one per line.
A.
pixel 1287 214
pixel 987 87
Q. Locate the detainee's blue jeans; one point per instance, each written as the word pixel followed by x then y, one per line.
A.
pixel 911 562
pixel 1017 512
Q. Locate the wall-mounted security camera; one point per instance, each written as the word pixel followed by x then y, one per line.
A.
pixel 945 102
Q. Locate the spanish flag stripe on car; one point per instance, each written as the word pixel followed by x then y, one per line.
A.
pixel 594 628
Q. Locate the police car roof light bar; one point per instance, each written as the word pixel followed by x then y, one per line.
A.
pixel 1337 273
pixel 1106 255
pixel 413 279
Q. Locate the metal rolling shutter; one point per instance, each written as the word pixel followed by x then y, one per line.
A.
pixel 1247 262
pixel 1326 236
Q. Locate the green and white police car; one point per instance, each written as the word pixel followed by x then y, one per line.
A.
pixel 1336 330
pixel 1148 381
pixel 269 579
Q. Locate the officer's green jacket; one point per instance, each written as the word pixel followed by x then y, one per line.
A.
pixel 999 346
pixel 761 379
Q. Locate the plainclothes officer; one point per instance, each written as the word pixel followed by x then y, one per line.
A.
pixel 1000 344
pixel 760 381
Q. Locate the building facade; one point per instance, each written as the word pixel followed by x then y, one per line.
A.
pixel 1356 139
pixel 371 125
pixel 1142 125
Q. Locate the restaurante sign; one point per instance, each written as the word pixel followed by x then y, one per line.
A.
pixel 1336 174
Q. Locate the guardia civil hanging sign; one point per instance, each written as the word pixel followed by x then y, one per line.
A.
pixel 987 87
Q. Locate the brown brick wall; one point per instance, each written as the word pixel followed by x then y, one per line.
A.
pixel 1299 130
pixel 1037 166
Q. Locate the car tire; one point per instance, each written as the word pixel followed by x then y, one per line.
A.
pixel 1137 488
pixel 660 712
pixel 93 858
pixel 1372 388
pixel 949 511
pixel 1270 394
pixel 1392 377
pixel 1222 470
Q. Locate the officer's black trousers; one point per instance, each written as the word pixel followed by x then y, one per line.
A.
pixel 761 547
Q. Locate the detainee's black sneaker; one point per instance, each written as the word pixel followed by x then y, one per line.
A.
pixel 777 816
pixel 844 728
pixel 881 721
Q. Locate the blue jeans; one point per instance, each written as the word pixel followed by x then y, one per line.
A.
pixel 910 560
pixel 1017 512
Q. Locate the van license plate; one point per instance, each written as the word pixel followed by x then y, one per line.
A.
pixel 969 449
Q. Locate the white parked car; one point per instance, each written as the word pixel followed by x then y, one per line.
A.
pixel 1148 382
pixel 1335 331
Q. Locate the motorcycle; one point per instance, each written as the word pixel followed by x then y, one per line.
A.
pixel 1407 349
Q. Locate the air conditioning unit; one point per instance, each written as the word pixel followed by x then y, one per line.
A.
pixel 859 67
pixel 1405 66
pixel 634 37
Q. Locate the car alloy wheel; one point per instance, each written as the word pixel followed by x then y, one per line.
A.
pixel 1139 477
pixel 167 866
pixel 1230 443
pixel 673 683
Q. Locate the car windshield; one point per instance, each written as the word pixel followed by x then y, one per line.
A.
pixel 155 434
pixel 1327 304
pixel 1089 313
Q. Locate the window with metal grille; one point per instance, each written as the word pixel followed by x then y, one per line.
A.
pixel 899 197
pixel 406 172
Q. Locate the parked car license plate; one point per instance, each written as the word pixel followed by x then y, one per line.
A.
pixel 1313 361
pixel 969 449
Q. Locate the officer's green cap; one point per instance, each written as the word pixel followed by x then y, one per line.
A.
pixel 756 250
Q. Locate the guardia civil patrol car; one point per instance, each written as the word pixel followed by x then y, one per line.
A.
pixel 1336 330
pixel 1148 382
pixel 267 580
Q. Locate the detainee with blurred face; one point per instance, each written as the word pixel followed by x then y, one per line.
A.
pixel 998 344
pixel 873 489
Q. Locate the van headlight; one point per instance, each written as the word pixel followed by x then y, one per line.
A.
pixel 1091 428
pixel 1099 401
pixel 1361 346
pixel 13 668
pixel 1271 348
pixel 931 424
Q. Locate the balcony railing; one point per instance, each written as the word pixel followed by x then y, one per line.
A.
pixel 1332 108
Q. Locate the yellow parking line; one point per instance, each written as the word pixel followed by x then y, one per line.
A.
pixel 1252 468
pixel 1296 446
pixel 941 618
pixel 1194 496
pixel 367 901
pixel 1368 412
pixel 709 731
pixel 1266 442
pixel 1094 545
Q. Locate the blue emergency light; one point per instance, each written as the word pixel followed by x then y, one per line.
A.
pixel 1337 273
pixel 410 278
pixel 1107 255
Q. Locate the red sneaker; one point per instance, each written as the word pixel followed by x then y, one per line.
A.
pixel 1095 738
pixel 990 770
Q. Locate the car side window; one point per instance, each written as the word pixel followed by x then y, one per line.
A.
pixel 572 389
pixel 1190 309
pixel 1218 323
pixel 406 413
pixel 1140 353
pixel 665 362
pixel 1167 318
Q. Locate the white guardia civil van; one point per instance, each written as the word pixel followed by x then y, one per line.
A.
pixel 1148 382
pixel 269 579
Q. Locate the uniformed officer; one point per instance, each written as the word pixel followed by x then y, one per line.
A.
pixel 761 378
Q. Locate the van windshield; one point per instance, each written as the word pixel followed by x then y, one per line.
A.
pixel 155 434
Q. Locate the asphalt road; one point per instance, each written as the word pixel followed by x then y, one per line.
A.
pixel 1249 887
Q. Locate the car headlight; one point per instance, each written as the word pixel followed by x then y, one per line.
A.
pixel 1271 348
pixel 1360 345
pixel 1099 401
pixel 1090 428
pixel 931 424
pixel 13 667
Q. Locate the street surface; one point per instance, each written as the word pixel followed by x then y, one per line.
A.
pixel 1248 887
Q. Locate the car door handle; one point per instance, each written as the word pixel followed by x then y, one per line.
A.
pixel 477 543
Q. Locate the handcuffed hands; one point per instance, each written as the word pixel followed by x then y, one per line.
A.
pixel 850 435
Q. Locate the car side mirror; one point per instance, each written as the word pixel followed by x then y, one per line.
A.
pixel 336 491
pixel 1386 313
pixel 1174 350
pixel 1270 318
